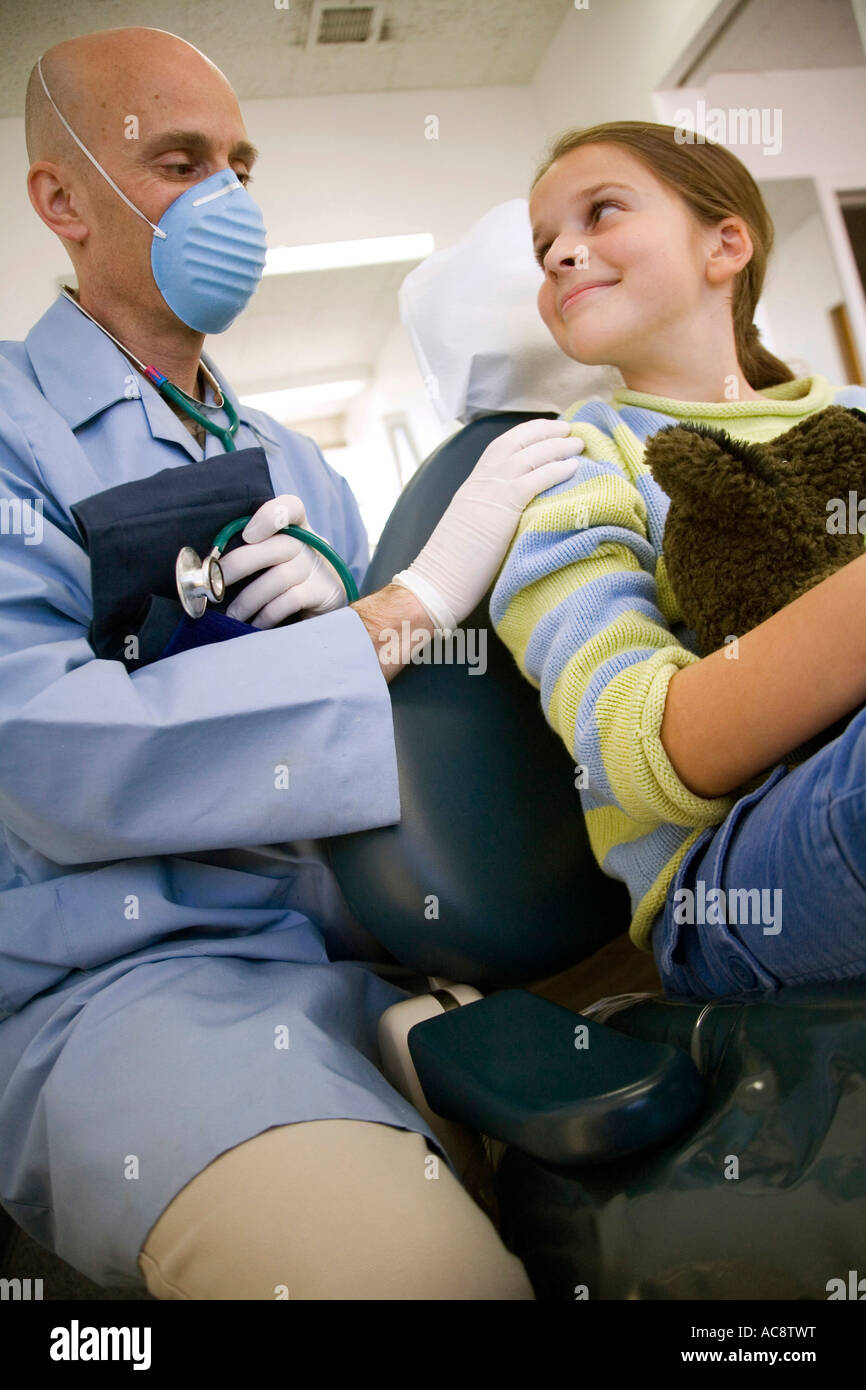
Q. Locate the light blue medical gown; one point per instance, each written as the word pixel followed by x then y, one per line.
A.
pixel 178 968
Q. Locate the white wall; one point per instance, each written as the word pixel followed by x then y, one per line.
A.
pixel 31 257
pixel 802 332
pixel 823 119
pixel 822 123
pixel 368 462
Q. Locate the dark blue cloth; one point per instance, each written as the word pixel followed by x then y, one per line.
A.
pixel 200 632
pixel 133 533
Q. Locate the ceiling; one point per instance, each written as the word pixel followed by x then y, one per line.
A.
pixel 262 49
pixel 763 35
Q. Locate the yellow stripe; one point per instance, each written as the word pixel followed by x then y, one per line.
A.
pixel 609 500
pixel 628 631
pixel 531 604
pixel 608 827
pixel 628 713
pixel 631 451
pixel 667 599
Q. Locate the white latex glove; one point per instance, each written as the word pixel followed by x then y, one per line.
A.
pixel 296 577
pixel 460 561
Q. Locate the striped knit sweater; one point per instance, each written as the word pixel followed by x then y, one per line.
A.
pixel 584 605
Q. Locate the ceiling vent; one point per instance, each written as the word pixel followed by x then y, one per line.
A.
pixel 332 23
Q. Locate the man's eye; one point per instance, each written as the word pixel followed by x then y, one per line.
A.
pixel 245 179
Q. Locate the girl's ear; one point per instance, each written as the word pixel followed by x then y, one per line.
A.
pixel 733 250
pixel 698 463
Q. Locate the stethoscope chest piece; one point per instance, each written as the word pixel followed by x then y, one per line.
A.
pixel 198 581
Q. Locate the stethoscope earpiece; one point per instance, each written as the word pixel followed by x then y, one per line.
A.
pixel 198 581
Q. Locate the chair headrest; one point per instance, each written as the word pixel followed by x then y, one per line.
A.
pixel 472 317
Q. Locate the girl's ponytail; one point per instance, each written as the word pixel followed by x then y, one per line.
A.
pixel 759 366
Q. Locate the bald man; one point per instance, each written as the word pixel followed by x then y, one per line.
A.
pixel 190 1093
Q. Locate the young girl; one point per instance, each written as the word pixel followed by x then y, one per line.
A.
pixel 654 254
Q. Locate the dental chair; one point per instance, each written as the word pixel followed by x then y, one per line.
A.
pixel 670 1149
pixel 644 1148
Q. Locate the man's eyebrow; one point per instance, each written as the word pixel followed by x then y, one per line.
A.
pixel 584 193
pixel 196 142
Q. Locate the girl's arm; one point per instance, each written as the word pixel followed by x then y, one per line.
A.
pixel 726 719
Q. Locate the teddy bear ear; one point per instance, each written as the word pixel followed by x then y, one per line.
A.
pixel 687 461
pixel 697 463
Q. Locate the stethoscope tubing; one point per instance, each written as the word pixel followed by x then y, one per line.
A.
pixel 173 393
pixel 310 538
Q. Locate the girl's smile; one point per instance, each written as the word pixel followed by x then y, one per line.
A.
pixel 581 291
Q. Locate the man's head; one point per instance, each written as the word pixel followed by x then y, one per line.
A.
pixel 159 117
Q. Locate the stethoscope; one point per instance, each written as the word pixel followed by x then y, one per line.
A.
pixel 202 581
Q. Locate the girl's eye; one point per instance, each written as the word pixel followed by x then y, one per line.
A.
pixel 594 209
pixel 605 203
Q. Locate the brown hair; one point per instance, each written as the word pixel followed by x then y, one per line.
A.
pixel 714 184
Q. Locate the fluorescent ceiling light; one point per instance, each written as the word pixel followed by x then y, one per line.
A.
pixel 333 255
pixel 299 402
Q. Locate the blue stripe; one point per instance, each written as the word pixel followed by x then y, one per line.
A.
pixel 585 614
pixel 639 862
pixel 538 554
pixel 599 413
pixel 586 471
pixel 643 422
pixel 586 745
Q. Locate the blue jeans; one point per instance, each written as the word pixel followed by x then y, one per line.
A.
pixel 799 842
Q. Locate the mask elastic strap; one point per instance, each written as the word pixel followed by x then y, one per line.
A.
pixel 95 162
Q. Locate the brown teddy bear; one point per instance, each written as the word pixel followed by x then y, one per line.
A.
pixel 751 527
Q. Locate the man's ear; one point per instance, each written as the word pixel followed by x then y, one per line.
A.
pixel 54 198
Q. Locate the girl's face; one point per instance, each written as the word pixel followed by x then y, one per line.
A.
pixel 624 259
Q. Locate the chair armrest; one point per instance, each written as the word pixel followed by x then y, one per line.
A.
pixel 536 1075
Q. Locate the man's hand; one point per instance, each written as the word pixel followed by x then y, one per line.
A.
pixel 459 562
pixel 296 579
pixel 383 615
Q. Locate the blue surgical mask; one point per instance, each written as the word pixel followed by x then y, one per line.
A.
pixel 208 249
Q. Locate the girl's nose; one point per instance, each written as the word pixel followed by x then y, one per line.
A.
pixel 561 255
